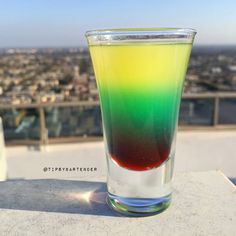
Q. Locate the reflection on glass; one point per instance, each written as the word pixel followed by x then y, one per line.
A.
pixel 227 111
pixel 20 123
pixel 73 121
pixel 196 111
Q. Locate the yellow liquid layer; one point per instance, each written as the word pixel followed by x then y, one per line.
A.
pixel 140 66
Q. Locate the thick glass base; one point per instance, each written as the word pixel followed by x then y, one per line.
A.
pixel 138 206
pixel 139 193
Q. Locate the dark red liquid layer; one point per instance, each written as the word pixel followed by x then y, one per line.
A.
pixel 138 154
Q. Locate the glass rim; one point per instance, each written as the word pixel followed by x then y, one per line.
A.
pixel 111 36
pixel 161 30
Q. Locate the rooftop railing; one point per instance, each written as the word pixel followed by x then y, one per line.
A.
pixel 43 123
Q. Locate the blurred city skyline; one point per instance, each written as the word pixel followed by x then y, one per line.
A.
pixel 64 23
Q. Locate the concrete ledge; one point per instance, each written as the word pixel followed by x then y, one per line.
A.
pixel 203 204
pixel 195 151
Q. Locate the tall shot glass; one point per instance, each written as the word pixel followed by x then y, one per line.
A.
pixel 140 75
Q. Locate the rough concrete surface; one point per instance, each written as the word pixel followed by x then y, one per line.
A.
pixel 204 203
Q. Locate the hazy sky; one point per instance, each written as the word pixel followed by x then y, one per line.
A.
pixel 29 23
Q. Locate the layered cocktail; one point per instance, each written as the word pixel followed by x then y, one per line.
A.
pixel 140 75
